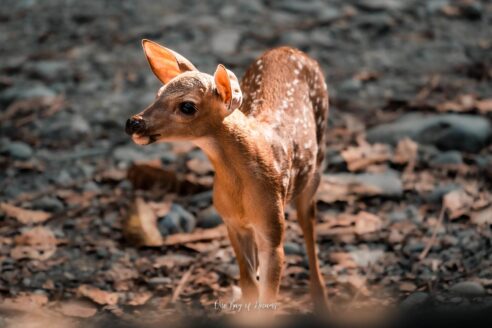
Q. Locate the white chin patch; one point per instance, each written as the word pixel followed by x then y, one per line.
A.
pixel 140 140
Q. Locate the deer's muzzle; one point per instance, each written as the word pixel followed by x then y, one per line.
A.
pixel 135 125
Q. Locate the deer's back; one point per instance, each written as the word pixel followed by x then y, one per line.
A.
pixel 285 92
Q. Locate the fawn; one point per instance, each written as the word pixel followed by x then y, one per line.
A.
pixel 266 141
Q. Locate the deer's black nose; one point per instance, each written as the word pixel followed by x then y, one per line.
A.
pixel 134 125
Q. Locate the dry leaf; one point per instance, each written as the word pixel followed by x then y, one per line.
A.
pixel 197 235
pixel 97 295
pixel 78 309
pixel 457 203
pixel 172 260
pixel 37 243
pixel 484 106
pixel 141 298
pixel 141 226
pixel 364 155
pixel 23 215
pixel 366 222
pixel 482 217
pixel 406 151
pixel 150 175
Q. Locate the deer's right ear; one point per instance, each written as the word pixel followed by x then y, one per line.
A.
pixel 228 88
pixel 165 63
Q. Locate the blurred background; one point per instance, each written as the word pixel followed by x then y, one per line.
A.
pixel 92 224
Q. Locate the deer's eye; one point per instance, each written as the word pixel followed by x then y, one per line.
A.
pixel 187 108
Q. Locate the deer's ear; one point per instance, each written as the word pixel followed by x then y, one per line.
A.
pixel 228 88
pixel 165 63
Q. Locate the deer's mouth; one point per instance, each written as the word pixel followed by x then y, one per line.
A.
pixel 144 139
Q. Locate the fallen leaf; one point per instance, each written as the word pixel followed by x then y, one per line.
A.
pixel 141 298
pixel 97 295
pixel 407 286
pixel 457 203
pixel 484 106
pixel 358 158
pixel 150 175
pixel 23 215
pixel 482 217
pixel 197 235
pixel 406 151
pixel 173 260
pixel 78 309
pixel 141 225
pixel 37 243
pixel 366 222
pixel 25 302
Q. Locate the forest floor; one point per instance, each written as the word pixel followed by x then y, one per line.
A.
pixel 93 226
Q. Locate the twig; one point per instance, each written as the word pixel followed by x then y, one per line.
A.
pixel 198 235
pixel 181 284
pixel 431 242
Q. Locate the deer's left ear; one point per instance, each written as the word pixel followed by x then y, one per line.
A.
pixel 165 63
pixel 228 88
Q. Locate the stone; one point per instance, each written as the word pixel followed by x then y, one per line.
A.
pixel 445 131
pixel 291 248
pixel 49 203
pixel 226 41
pixel 26 91
pixel 451 157
pixel 468 289
pixel 208 218
pixel 18 150
pixel 415 299
pixel 345 186
pixel 177 220
pixel 365 257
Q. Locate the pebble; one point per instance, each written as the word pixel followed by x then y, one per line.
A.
pixel 49 203
pixel 208 218
pixel 291 248
pixel 177 220
pixel 415 299
pixel 468 133
pixel 468 289
pixel 18 150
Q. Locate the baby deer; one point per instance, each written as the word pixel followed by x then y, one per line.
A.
pixel 266 141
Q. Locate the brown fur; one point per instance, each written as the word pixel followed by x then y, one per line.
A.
pixel 265 154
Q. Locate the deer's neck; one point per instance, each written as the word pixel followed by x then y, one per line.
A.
pixel 230 146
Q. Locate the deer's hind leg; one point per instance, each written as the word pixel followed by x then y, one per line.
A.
pixel 306 216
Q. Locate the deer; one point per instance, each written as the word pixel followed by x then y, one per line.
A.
pixel 265 138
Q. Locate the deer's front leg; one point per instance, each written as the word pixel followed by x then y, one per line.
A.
pixel 271 256
pixel 243 243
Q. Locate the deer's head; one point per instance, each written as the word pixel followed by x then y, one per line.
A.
pixel 191 104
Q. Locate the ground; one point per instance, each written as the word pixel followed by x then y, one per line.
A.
pixel 93 225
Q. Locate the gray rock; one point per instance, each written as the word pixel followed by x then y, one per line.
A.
pixel 468 289
pixel 18 150
pixel 49 203
pixel 380 5
pixel 159 281
pixel 436 195
pixel 415 299
pixel 366 257
pixel 363 185
pixel 226 41
pixel 177 220
pixel 409 213
pixel 293 249
pixel 49 70
pixel 208 218
pixel 22 91
pixel 451 157
pixel 445 131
